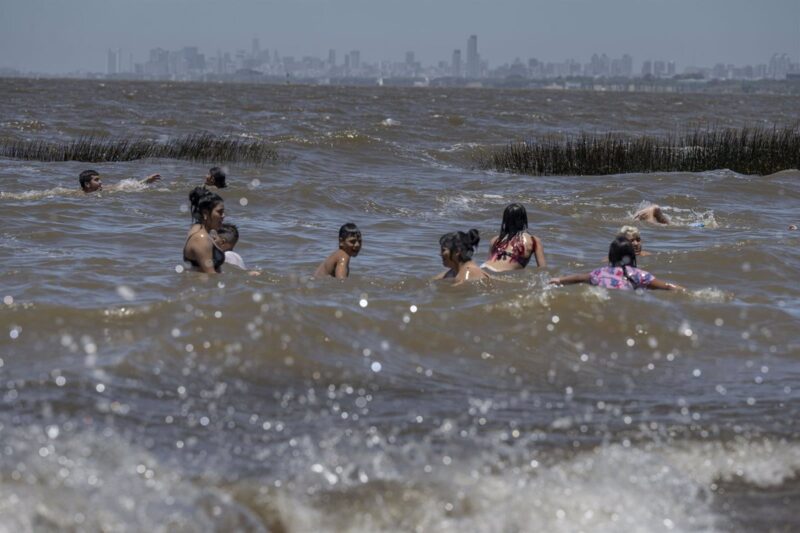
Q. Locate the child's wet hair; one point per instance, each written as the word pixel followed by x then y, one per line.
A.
pixel 202 200
pixel 461 244
pixel 349 230
pixel 219 177
pixel 515 219
pixel 629 232
pixel 230 233
pixel 622 254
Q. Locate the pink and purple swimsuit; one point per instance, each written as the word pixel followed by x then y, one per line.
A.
pixel 613 278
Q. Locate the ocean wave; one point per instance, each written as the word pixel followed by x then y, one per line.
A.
pixel 57 476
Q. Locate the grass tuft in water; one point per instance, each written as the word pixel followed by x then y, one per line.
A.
pixel 198 147
pixel 746 151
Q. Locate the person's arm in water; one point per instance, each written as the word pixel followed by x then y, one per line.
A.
pixel 152 178
pixel 447 274
pixel 202 250
pixel 664 286
pixel 652 213
pixel 342 268
pixel 568 280
pixel 330 266
pixel 538 252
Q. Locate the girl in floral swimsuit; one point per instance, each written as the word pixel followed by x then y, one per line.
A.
pixel 621 272
pixel 513 248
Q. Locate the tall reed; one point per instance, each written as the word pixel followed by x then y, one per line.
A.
pixel 746 151
pixel 197 147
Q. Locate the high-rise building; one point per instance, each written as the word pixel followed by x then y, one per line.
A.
pixel 355 59
pixel 627 66
pixel 113 61
pixel 647 68
pixel 409 58
pixel 473 60
pixel 331 58
pixel 456 66
pixel 256 49
pixel 659 69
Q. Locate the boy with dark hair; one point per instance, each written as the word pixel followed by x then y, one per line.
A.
pixel 90 180
pixel 226 238
pixel 216 177
pixel 337 264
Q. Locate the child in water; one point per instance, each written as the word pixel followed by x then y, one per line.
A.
pixel 456 249
pixel 337 264
pixel 621 272
pixel 226 238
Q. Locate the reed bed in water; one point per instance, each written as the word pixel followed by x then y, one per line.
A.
pixel 746 151
pixel 199 147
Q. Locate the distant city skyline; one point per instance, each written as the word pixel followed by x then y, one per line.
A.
pixel 258 63
pixel 56 37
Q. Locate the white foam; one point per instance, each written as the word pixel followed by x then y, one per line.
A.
pixel 37 195
pixel 711 295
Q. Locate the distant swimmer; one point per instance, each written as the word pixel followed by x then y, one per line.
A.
pixel 337 264
pixel 792 227
pixel 456 250
pixel 651 213
pixel 208 213
pixel 216 177
pixel 90 180
pixel 513 247
pixel 621 272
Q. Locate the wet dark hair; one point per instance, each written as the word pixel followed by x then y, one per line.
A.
pixel 230 233
pixel 85 177
pixel 621 254
pixel 202 200
pixel 349 230
pixel 219 176
pixel 460 244
pixel 515 219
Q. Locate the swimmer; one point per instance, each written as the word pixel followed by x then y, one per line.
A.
pixel 456 250
pixel 226 238
pixel 513 248
pixel 90 180
pixel 621 272
pixel 632 234
pixel 216 177
pixel 208 213
pixel 337 264
pixel 792 227
pixel 651 213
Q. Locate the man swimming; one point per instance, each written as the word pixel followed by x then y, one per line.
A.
pixel 90 180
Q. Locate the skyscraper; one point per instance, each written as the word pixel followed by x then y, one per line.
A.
pixel 456 63
pixel 473 60
pixel 114 60
pixel 331 58
pixel 355 59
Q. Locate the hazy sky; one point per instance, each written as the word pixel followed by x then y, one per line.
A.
pixel 66 35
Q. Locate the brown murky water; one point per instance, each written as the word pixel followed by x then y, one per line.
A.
pixel 137 397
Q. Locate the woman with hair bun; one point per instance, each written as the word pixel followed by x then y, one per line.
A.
pixel 208 213
pixel 456 249
pixel 513 247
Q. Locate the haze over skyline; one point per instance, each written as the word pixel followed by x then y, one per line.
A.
pixel 52 36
